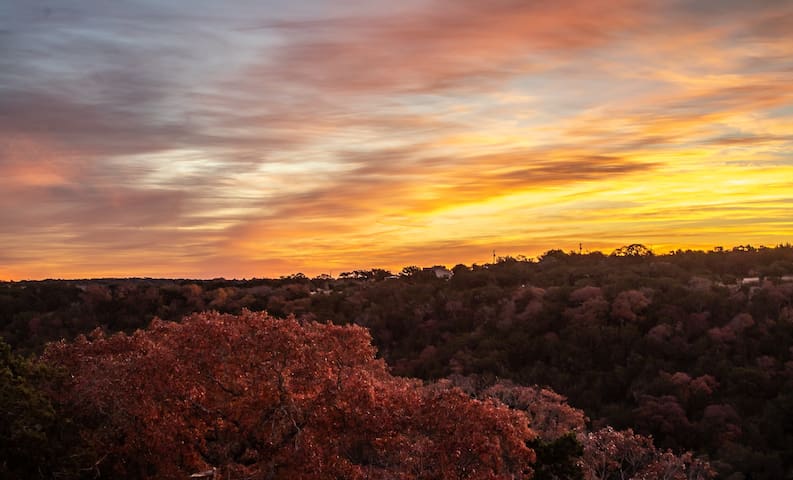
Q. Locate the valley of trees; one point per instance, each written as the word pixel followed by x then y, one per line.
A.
pixel 580 366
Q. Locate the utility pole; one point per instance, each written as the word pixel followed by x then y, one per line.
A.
pixel 580 248
pixel 494 256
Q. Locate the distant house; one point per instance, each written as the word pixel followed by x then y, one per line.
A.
pixel 750 281
pixel 786 278
pixel 440 272
pixel 321 291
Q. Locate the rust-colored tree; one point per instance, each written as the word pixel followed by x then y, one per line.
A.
pixel 615 455
pixel 551 416
pixel 556 423
pixel 257 397
pixel 565 450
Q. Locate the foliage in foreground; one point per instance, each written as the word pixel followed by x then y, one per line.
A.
pixel 257 397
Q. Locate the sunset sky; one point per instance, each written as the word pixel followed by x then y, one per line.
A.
pixel 261 138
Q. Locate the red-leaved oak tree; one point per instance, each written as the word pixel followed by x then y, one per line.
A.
pixel 257 397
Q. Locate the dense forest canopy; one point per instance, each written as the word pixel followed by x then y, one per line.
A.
pixel 694 349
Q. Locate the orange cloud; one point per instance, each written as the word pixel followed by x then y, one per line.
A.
pixel 443 45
